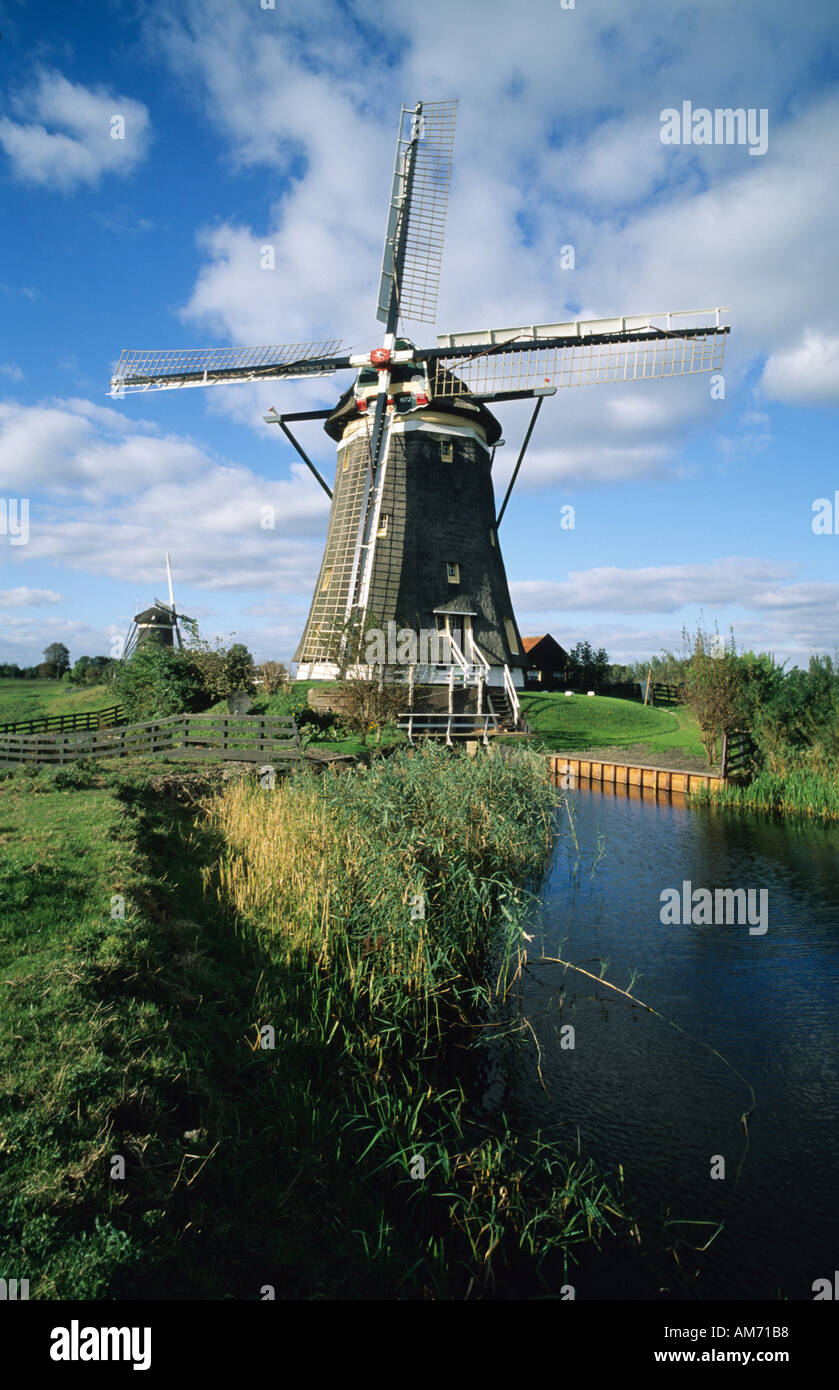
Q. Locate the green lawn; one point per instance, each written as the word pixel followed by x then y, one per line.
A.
pixel 599 721
pixel 30 699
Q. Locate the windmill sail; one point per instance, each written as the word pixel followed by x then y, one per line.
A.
pixel 142 370
pixel 417 219
pixel 509 362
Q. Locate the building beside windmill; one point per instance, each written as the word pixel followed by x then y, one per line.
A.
pixel 547 662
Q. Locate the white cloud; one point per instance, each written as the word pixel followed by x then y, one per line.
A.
pixel 805 374
pixel 11 370
pixel 27 598
pixel 801 617
pixel 114 501
pixel 58 446
pixel 655 588
pixel 68 135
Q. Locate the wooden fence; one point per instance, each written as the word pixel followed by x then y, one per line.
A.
pixel 738 754
pixel 59 723
pixel 268 739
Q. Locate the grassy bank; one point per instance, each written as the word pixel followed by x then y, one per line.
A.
pixel 796 792
pixel 600 721
pixel 353 914
pixel 24 699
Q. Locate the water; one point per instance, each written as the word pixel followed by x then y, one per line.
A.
pixel 662 1103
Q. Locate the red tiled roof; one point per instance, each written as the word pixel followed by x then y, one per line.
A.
pixel 530 642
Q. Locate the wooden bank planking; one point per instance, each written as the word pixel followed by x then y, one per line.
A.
pixel 629 775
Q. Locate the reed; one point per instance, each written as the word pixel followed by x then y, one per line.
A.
pixel 798 790
pixel 393 901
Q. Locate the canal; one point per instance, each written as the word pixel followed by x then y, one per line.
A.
pixel 752 1009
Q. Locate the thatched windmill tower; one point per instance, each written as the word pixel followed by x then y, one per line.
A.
pixel 413 529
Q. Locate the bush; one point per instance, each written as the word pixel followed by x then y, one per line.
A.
pixel 157 681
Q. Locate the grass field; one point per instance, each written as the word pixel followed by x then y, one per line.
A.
pixel 28 699
pixel 152 1149
pixel 598 722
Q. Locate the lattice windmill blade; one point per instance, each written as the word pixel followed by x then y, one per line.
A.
pixel 129 641
pixel 141 370
pixel 512 362
pixel 416 227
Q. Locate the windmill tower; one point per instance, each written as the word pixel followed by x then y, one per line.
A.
pixel 160 623
pixel 412 540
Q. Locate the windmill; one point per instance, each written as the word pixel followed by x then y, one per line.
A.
pixel 412 538
pixel 159 623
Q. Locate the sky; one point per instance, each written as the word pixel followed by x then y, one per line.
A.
pixel 150 152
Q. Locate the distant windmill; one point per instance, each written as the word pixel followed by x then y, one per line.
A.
pixel 413 527
pixel 160 623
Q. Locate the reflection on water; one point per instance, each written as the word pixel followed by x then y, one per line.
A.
pixel 661 1101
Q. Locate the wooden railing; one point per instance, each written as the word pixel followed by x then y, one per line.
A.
pixel 447 725
pixel 245 738
pixel 58 723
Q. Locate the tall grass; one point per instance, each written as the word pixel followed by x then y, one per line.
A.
pixel 384 893
pixel 801 786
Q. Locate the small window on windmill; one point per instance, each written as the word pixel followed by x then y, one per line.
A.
pixel 492 535
pixel 511 635
pixel 384 521
pixel 446 451
pixel 453 572
pixel 327 577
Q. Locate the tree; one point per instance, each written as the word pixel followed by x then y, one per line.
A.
pixel 373 700
pixel 587 666
pixel 273 676
pixel 221 671
pixel 713 687
pixel 90 670
pixel 57 656
pixel 157 681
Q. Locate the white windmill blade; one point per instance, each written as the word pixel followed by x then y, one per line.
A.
pixel 169 578
pixel 581 353
pixel 416 226
pixel 152 370
pixel 583 328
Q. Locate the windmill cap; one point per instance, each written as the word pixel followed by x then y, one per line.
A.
pixel 459 404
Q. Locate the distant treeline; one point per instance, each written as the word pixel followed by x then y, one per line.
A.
pixel 88 670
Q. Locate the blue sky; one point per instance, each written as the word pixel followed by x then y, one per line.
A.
pixel 248 125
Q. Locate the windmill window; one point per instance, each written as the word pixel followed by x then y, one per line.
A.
pixel 453 572
pixel 327 576
pixel 447 451
pixel 511 635
pixel 492 535
pixel 384 521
